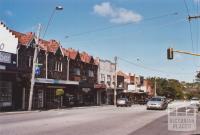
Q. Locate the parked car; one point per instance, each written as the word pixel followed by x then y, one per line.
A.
pixel 123 102
pixel 143 101
pixel 195 102
pixel 157 102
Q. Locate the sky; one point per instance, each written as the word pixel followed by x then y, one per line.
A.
pixel 138 32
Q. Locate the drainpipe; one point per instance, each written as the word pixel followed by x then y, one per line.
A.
pixel 46 65
pixel 17 56
pixel 23 98
pixel 68 69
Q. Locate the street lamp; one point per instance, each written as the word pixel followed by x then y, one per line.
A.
pixel 35 57
pixel 115 86
pixel 155 83
pixel 58 8
pixel 33 69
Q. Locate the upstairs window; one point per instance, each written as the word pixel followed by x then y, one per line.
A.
pixel 102 78
pixel 58 66
pixel 90 73
pixel 29 61
pixel 109 79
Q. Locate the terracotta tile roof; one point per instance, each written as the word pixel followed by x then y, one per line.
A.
pixel 72 53
pixel 85 57
pixel 65 52
pixel 50 46
pixel 53 46
pixel 43 44
pixel 96 61
pixel 23 39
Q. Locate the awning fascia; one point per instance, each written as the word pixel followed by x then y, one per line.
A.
pixel 54 81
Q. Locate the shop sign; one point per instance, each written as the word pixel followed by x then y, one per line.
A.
pixel 37 71
pixel 5 104
pixel 2 67
pixel 86 90
pixel 5 57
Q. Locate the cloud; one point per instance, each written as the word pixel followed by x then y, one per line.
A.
pixel 196 1
pixel 116 14
pixel 8 13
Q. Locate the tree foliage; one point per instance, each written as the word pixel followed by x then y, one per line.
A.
pixel 168 87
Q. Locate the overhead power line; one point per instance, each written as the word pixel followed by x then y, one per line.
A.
pixel 190 30
pixel 150 68
pixel 121 25
pixel 186 6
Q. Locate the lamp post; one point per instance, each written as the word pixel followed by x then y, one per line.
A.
pixel 58 8
pixel 33 69
pixel 35 57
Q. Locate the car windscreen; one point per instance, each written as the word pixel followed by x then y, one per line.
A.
pixel 194 99
pixel 155 99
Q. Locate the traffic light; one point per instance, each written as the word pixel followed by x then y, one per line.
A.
pixel 170 53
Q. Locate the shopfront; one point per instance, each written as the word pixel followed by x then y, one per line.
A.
pixel 45 93
pixel 8 86
pixel 87 94
pixel 8 70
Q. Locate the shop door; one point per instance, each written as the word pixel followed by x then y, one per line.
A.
pixel 40 98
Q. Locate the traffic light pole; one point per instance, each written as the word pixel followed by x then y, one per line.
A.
pixel 170 53
pixel 184 52
pixel 193 17
pixel 115 86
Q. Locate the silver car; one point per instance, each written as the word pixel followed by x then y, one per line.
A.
pixel 157 102
pixel 123 102
pixel 195 102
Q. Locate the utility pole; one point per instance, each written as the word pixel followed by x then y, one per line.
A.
pixel 33 69
pixel 155 83
pixel 115 86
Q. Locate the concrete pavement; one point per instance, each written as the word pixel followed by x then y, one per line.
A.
pixel 160 127
pixel 106 120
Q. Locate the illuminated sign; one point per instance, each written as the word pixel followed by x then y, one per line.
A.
pixel 5 57
pixel 2 46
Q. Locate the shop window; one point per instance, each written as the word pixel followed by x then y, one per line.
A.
pixel 5 94
pixel 58 66
pixel 76 71
pixel 30 61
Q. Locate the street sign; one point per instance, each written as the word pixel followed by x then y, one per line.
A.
pixel 37 70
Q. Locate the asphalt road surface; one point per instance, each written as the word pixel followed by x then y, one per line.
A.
pixel 106 120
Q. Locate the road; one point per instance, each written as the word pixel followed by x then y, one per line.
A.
pixel 106 120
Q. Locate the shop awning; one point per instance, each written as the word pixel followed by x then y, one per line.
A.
pixel 54 81
pixel 99 86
